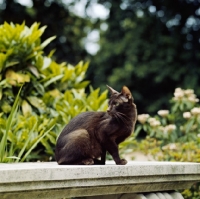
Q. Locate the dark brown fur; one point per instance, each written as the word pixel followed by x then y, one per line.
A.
pixel 89 135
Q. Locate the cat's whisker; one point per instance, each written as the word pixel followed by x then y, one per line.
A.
pixel 117 117
pixel 123 119
pixel 123 115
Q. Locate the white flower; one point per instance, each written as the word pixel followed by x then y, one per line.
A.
pixel 193 98
pixel 169 128
pixel 187 115
pixel 198 135
pixel 179 93
pixel 189 92
pixel 195 111
pixel 171 146
pixel 152 119
pixel 143 118
pixel 163 113
pixel 177 90
pixel 154 122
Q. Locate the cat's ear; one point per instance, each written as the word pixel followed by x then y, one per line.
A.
pixel 112 91
pixel 126 94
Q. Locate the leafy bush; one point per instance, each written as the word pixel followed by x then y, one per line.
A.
pixel 20 134
pixel 51 95
pixel 174 135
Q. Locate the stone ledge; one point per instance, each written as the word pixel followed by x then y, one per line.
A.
pixel 49 180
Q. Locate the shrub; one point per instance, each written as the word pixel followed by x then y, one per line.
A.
pixel 173 135
pixel 51 91
pixel 20 134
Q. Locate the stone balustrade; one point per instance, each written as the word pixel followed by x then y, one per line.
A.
pixel 136 180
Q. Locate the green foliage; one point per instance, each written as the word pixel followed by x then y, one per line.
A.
pixel 174 135
pixel 52 94
pixel 144 42
pixel 72 103
pixel 7 124
pixel 69 28
pixel 19 135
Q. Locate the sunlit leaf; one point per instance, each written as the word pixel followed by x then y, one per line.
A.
pixel 81 85
pixel 47 41
pixel 26 108
pixel 1 93
pixel 11 63
pixel 53 80
pixel 6 107
pixel 36 102
pixel 3 142
pixel 16 78
pixel 34 70
pixel 47 130
pixel 3 58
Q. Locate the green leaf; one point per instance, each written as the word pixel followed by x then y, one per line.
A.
pixel 46 62
pixel 13 157
pixel 26 143
pixel 52 80
pixel 189 125
pixel 8 126
pixel 36 102
pixel 47 41
pixel 51 53
pixel 137 131
pixel 6 107
pixel 81 85
pixel 50 127
pixel 26 108
pixel 3 58
pixel 11 63
pixel 1 93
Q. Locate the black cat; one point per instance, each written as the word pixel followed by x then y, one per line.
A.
pixel 89 135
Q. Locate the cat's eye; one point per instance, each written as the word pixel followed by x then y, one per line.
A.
pixel 117 104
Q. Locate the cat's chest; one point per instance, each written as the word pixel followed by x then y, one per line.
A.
pixel 126 131
pixel 121 131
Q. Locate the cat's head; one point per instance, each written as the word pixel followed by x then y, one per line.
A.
pixel 120 101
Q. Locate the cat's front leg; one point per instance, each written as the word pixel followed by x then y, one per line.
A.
pixel 117 159
pixel 103 156
pixel 112 148
pixel 122 162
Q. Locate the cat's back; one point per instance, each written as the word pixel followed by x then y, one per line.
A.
pixel 86 120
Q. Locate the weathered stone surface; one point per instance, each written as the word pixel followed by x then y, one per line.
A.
pixel 158 195
pixel 49 180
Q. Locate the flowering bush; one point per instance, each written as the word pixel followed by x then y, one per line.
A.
pixel 174 135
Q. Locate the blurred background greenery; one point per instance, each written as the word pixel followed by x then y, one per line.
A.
pixel 150 46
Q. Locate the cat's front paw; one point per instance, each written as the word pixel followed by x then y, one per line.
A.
pixel 88 161
pixel 122 162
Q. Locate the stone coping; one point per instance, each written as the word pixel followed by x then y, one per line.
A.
pixel 49 180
